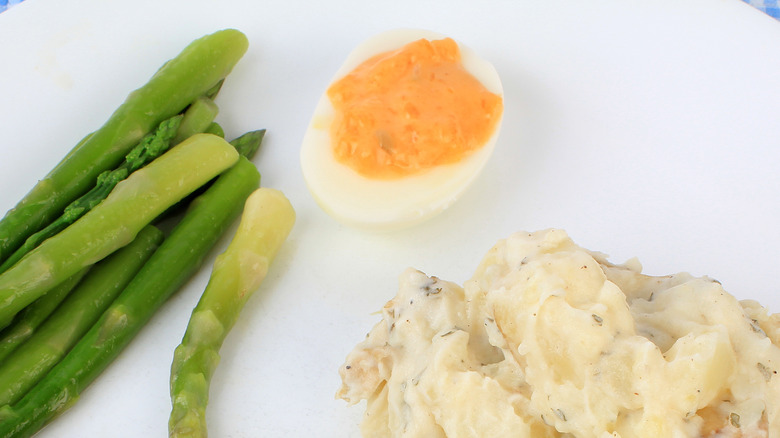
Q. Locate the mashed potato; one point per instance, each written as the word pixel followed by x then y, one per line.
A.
pixel 551 340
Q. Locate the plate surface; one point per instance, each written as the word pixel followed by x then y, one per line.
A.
pixel 645 129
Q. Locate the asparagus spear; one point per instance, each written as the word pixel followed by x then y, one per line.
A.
pixel 213 91
pixel 132 204
pixel 248 143
pixel 196 70
pixel 199 115
pixel 267 220
pixel 196 119
pixel 216 129
pixel 151 146
pixel 33 359
pixel 179 256
pixel 29 319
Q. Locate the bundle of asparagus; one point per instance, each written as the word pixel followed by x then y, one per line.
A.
pixel 83 265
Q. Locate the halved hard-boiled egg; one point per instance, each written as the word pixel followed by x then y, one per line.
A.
pixel 408 122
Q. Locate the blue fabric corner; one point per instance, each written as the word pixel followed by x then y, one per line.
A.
pixel 5 4
pixel 770 7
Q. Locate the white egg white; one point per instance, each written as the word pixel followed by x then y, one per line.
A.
pixel 388 204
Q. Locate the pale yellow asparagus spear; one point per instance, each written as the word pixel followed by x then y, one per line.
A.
pixel 266 221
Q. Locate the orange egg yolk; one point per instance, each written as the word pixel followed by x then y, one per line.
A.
pixel 411 109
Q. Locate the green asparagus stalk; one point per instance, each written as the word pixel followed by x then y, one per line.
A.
pixel 195 71
pixel 213 91
pixel 216 129
pixel 196 119
pixel 29 319
pixel 199 115
pixel 33 359
pixel 133 204
pixel 179 256
pixel 151 146
pixel 248 143
pixel 267 220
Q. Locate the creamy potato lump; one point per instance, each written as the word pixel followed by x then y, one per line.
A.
pixel 551 340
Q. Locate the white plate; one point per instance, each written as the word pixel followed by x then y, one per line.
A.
pixel 644 129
